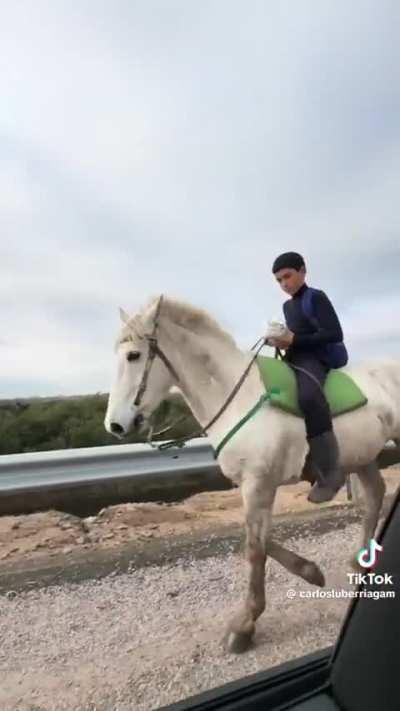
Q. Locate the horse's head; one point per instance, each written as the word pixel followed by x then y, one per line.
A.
pixel 142 379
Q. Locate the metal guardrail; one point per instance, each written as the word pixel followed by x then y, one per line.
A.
pixel 61 468
pixel 82 479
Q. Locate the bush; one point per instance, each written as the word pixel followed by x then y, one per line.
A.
pixel 65 423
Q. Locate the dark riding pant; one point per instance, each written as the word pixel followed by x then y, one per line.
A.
pixel 312 400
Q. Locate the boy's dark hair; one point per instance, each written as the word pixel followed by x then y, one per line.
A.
pixel 288 260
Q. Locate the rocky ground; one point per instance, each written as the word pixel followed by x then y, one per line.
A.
pixel 152 634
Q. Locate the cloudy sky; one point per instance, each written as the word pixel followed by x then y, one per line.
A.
pixel 178 146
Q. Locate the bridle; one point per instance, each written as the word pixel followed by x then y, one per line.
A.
pixel 154 349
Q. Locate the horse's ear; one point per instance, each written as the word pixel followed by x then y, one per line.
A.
pixel 124 316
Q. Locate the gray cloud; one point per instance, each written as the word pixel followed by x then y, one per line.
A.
pixel 179 147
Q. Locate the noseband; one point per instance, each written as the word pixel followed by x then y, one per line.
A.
pixel 154 349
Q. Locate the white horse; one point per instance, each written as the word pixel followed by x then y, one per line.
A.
pixel 189 349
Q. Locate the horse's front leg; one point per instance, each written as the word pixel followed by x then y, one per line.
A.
pixel 374 487
pixel 258 498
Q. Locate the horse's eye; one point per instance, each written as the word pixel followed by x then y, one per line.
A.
pixel 133 355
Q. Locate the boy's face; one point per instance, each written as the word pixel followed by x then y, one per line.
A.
pixel 290 279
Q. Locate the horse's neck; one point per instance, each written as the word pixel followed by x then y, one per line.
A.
pixel 208 367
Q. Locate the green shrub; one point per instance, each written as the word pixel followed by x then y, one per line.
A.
pixel 66 423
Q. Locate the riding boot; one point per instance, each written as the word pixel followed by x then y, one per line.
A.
pixel 324 451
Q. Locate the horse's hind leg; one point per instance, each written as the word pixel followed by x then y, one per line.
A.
pixel 374 487
pixel 258 501
pixel 296 564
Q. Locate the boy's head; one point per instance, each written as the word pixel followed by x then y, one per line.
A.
pixel 290 271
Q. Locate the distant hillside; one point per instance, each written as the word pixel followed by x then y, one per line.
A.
pixel 38 398
pixel 42 424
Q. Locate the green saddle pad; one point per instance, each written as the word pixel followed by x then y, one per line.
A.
pixel 341 392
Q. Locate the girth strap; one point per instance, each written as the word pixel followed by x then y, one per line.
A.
pixel 264 397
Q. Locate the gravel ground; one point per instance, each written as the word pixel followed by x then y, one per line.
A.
pixel 153 636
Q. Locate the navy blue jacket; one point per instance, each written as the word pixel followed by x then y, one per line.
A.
pixel 307 338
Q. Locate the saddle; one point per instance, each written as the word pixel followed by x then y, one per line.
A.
pixel 341 391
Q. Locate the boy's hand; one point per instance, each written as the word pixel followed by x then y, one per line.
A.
pixel 283 341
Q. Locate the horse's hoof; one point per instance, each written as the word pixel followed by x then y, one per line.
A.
pixel 239 642
pixel 313 574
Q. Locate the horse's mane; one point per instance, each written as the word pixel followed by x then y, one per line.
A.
pixel 189 317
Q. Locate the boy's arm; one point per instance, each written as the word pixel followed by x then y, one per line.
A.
pixel 329 328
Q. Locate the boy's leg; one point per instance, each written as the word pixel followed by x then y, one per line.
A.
pixel 324 448
pixel 312 400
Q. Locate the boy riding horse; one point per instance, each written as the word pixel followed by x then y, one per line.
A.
pixel 308 350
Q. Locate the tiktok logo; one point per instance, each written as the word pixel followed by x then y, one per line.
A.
pixel 367 556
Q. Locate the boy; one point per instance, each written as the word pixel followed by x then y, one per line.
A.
pixel 306 349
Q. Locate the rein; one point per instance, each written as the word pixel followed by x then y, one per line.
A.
pixel 155 350
pixel 202 432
